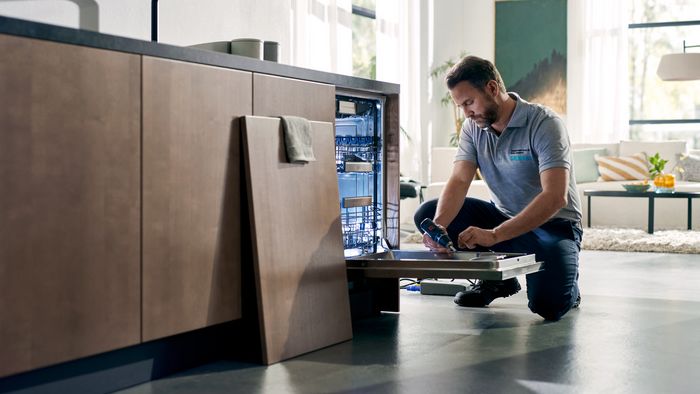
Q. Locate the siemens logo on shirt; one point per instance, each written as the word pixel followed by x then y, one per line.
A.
pixel 520 154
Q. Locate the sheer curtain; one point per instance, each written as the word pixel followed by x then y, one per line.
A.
pixel 598 83
pixel 399 61
pixel 322 40
pixel 322 35
pixel 388 42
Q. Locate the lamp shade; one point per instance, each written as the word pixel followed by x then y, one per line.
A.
pixel 679 67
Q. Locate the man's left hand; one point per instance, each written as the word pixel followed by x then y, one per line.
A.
pixel 473 236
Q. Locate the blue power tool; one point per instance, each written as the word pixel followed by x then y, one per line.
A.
pixel 437 233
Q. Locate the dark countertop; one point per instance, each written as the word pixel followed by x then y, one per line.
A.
pixel 19 27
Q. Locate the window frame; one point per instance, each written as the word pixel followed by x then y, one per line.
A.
pixel 648 25
pixel 365 12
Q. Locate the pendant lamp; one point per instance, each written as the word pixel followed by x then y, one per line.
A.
pixel 680 66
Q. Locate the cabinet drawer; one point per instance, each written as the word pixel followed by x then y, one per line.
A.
pixel 277 96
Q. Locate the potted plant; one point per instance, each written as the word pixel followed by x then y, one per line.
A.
pixel 663 182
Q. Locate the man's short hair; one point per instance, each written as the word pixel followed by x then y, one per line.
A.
pixel 475 70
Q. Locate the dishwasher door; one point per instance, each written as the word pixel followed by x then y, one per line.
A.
pixel 458 265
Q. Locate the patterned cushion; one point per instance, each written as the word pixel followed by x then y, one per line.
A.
pixel 691 168
pixel 623 168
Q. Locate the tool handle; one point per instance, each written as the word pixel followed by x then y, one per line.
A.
pixel 436 233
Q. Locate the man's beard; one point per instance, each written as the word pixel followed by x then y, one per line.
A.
pixel 489 116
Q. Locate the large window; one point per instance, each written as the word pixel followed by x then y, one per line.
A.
pixel 364 39
pixel 662 110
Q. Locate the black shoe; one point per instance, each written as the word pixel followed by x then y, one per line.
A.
pixel 577 303
pixel 485 291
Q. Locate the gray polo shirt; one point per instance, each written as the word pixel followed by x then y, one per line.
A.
pixel 534 140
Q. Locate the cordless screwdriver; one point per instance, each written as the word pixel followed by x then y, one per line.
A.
pixel 437 233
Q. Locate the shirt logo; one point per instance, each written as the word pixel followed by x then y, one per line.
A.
pixel 522 154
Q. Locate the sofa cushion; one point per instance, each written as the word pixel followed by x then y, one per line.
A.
pixel 621 168
pixel 585 166
pixel 667 150
pixel 477 189
pixel 612 148
pixel 691 168
pixel 441 161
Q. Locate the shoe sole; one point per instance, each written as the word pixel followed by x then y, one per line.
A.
pixel 507 295
pixel 488 303
pixel 511 294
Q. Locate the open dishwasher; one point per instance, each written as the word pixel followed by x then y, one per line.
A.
pixel 457 265
pixel 373 267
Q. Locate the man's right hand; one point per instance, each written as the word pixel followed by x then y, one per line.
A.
pixel 434 246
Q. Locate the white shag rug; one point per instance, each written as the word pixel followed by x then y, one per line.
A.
pixel 634 240
pixel 627 240
pixel 415 238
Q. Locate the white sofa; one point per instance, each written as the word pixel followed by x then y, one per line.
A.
pixel 441 160
pixel 606 211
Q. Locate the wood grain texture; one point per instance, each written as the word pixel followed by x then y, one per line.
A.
pixel 388 289
pixel 277 96
pixel 297 242
pixel 191 195
pixel 391 164
pixel 69 202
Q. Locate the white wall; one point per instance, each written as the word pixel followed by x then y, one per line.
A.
pixel 185 22
pixel 445 29
pixel 459 26
pixel 180 22
pixel 61 13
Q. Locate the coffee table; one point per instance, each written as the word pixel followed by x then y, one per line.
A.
pixel 651 196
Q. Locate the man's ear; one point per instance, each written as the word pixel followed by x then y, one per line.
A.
pixel 492 86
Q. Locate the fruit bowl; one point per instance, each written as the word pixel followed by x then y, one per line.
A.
pixel 636 187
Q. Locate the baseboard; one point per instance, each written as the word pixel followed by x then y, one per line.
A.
pixel 119 369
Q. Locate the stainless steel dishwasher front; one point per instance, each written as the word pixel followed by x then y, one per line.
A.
pixel 458 265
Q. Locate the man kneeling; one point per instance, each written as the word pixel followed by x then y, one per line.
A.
pixel 524 156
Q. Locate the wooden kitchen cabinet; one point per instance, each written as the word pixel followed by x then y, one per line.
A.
pixel 277 96
pixel 191 195
pixel 122 198
pixel 69 202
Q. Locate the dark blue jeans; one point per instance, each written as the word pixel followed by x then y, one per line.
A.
pixel 551 292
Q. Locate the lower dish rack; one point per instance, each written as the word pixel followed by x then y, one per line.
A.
pixel 361 227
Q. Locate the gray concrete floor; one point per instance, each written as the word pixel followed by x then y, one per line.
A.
pixel 637 331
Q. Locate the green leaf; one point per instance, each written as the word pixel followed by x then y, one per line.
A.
pixel 657 164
